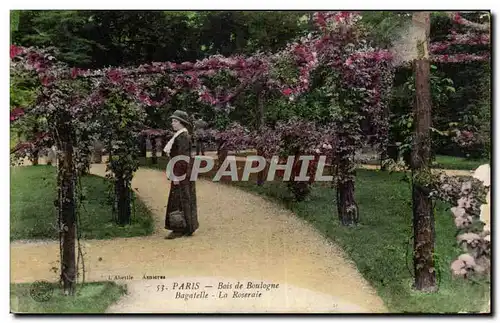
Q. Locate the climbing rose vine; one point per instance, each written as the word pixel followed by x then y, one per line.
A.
pixel 467 195
pixel 475 34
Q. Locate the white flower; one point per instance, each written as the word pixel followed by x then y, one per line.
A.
pixel 446 187
pixel 462 222
pixel 458 267
pixel 464 202
pixel 467 259
pixel 469 237
pixel 466 187
pixel 458 211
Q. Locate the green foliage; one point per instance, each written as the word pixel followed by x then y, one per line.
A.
pixel 313 106
pixel 442 90
pixel 91 38
pixel 93 297
pixel 121 123
pixel 14 20
pixel 246 32
pixel 385 27
pixel 23 92
pixel 477 116
pixel 33 216
pixel 460 102
pixel 62 29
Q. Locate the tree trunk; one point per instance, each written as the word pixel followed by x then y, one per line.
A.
pixel 163 140
pixel 110 150
pixel 221 155
pixel 347 207
pixel 67 212
pixel 97 152
pixel 143 146
pixel 122 193
pixel 300 189
pixel 34 156
pixel 200 147
pixel 154 158
pixel 384 156
pixel 261 175
pixel 423 217
pixel 393 152
pixel 384 153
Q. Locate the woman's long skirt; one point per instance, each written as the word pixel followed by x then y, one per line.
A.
pixel 183 197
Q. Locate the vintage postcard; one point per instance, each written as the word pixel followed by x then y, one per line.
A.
pixel 250 162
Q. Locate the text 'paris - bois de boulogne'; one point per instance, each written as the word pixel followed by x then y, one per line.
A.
pixel 195 290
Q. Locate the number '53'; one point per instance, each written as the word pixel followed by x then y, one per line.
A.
pixel 160 288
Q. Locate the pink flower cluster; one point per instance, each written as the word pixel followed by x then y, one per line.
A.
pixel 304 55
pixel 16 113
pixel 234 138
pixel 471 39
pixel 325 20
pixel 15 50
pixel 375 55
pixel 185 75
pixel 154 133
pixel 464 138
pixel 458 19
pixel 466 195
pixel 460 58
pixel 480 36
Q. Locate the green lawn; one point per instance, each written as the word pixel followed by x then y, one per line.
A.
pixel 379 244
pixel 89 298
pixel 451 162
pixel 33 215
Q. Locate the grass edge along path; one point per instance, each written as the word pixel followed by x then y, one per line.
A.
pixel 458 163
pixel 94 297
pixel 38 221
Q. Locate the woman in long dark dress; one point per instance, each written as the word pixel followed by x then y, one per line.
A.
pixel 182 194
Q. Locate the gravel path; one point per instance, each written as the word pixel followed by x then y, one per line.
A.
pixel 242 238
